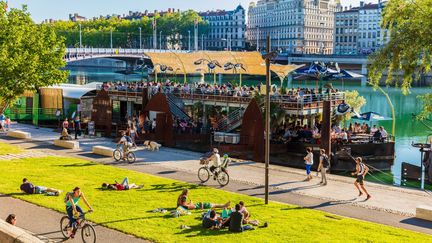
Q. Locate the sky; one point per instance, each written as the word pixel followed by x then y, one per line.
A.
pixel 60 9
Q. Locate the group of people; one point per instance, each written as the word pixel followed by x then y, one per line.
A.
pixel 67 127
pixel 237 219
pixel 344 135
pixel 5 122
pixel 361 170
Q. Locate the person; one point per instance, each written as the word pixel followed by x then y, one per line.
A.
pixel 246 215
pixel 125 142
pixel 153 125
pixel 11 219
pixel 29 188
pixel 65 135
pixel 236 220
pixel 323 166
pixel 133 134
pixel 77 127
pixel 213 221
pixel 65 123
pixel 361 171
pixel 383 133
pixel 183 197
pixel 72 208
pixel 8 124
pixel 2 121
pixel 215 157
pixel 125 185
pixel 373 129
pixel 309 162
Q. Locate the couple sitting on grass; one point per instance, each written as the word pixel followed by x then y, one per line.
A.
pixel 233 219
pixel 125 185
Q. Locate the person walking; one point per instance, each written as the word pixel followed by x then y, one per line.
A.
pixel 309 162
pixel 361 171
pixel 77 127
pixel 323 166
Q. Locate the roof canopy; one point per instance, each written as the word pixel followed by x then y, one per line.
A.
pixel 252 62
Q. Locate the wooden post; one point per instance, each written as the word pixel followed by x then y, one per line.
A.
pixel 267 122
pixel 325 127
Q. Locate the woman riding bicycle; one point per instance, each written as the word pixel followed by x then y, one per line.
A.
pixel 72 208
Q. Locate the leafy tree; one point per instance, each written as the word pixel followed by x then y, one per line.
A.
pixel 31 55
pixel 354 100
pixel 409 50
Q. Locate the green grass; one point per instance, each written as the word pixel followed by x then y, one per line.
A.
pixel 130 211
pixel 9 149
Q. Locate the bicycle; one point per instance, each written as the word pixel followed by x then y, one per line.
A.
pixel 88 232
pixel 220 174
pixel 118 155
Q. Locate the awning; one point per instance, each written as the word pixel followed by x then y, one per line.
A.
pixel 71 91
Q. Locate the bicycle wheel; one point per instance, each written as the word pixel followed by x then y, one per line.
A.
pixel 64 224
pixel 131 157
pixel 117 155
pixel 203 174
pixel 223 178
pixel 88 233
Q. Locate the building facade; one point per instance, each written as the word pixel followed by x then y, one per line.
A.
pixel 295 26
pixel 358 30
pixel 227 29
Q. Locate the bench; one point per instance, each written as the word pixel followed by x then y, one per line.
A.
pixel 102 150
pixel 69 144
pixel 19 134
pixel 424 212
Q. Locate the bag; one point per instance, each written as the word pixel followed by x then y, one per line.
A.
pixel 326 162
pixel 66 199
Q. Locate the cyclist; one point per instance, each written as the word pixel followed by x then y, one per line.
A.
pixel 215 157
pixel 126 143
pixel 72 208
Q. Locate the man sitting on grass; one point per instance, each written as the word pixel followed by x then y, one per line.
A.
pixel 29 188
pixel 236 221
pixel 213 221
pixel 125 185
pixel 243 210
pixel 183 198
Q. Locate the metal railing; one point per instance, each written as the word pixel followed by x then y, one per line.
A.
pixel 231 121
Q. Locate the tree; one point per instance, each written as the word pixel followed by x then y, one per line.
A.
pixel 355 101
pixel 409 49
pixel 31 55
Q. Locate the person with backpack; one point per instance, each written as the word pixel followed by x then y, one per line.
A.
pixel 73 210
pixel 323 166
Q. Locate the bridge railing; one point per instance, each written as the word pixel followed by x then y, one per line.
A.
pixel 115 51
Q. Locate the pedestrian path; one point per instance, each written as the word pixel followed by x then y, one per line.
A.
pixel 27 154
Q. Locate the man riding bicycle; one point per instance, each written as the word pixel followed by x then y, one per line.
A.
pixel 72 208
pixel 215 157
pixel 126 143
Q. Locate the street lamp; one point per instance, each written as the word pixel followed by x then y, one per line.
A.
pixel 140 38
pixel 322 40
pixel 111 40
pixel 202 42
pixel 189 40
pixel 80 36
pixel 160 40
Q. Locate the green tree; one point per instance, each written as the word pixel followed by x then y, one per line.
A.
pixel 409 50
pixel 31 55
pixel 354 100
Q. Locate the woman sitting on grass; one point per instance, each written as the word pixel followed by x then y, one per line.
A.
pixel 125 185
pixel 183 198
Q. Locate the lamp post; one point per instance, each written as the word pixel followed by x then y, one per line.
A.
pixel 189 40
pixel 80 35
pixel 202 42
pixel 258 36
pixel 323 37
pixel 160 40
pixel 140 42
pixel 278 40
pixel 111 40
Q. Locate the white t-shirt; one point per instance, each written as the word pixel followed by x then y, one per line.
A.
pixel 309 158
pixel 216 160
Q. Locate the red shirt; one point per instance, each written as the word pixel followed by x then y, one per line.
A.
pixel 119 187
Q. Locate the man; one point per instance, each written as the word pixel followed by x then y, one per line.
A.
pixel 374 129
pixel 323 166
pixel 183 198
pixel 125 142
pixel 361 171
pixel 77 127
pixel 212 221
pixel 2 121
pixel 29 188
pixel 383 133
pixel 216 161
pixel 236 220
pixel 309 162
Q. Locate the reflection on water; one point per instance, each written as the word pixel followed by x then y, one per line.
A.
pixel 407 128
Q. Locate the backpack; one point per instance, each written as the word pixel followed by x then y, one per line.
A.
pixel 66 199
pixel 326 162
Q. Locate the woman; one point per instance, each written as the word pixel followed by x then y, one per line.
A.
pixel 133 134
pixel 309 162
pixel 11 219
pixel 72 208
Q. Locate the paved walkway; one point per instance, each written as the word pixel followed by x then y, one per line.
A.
pixel 389 205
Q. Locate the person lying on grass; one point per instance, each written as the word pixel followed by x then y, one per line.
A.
pixel 29 188
pixel 182 200
pixel 125 185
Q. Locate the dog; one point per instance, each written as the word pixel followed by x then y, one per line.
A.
pixel 151 145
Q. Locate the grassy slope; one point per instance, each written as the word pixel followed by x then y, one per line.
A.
pixel 9 149
pixel 129 211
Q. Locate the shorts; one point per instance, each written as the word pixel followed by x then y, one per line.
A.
pixel 205 205
pixel 308 169
pixel 359 179
pixel 40 189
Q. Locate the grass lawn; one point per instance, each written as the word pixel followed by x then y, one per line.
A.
pixel 9 149
pixel 130 211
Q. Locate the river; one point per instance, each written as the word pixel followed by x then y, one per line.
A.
pixel 408 130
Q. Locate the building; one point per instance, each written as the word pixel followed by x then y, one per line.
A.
pixel 227 29
pixel 76 18
pixel 295 26
pixel 358 30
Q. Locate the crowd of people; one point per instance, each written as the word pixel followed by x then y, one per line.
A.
pixel 298 94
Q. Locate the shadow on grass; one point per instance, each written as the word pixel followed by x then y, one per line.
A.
pixel 277 192
pixel 173 187
pixel 198 230
pixel 78 164
pixel 121 220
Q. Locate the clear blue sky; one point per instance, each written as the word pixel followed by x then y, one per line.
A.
pixel 60 9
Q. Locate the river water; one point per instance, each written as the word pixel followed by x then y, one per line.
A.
pixel 408 130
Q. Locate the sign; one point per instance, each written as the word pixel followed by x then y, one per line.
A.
pixel 58 113
pixel 91 128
